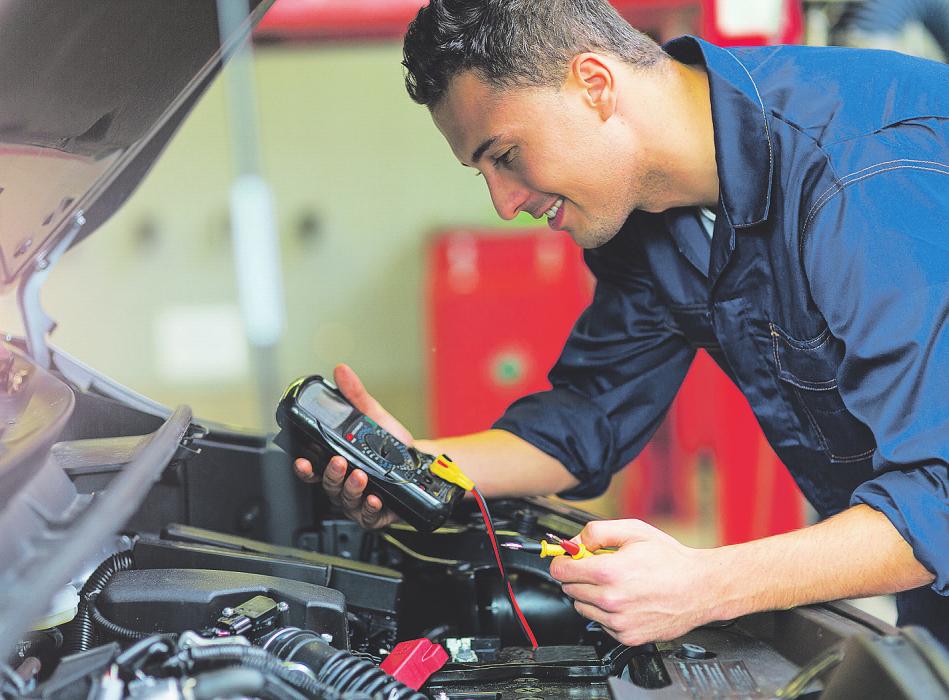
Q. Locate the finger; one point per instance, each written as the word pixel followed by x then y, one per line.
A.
pixel 592 595
pixel 371 513
pixel 616 533
pixel 591 612
pixel 333 476
pixel 352 387
pixel 614 633
pixel 568 570
pixel 353 488
pixel 304 470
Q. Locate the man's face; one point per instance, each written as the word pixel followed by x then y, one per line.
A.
pixel 550 153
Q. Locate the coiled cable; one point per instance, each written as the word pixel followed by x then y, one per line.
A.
pixel 341 670
pixel 256 658
pixel 114 630
pixel 82 633
pixel 351 674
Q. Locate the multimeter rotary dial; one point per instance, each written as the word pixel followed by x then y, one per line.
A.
pixel 388 449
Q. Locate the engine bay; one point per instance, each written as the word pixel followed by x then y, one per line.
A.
pixel 231 579
pixel 149 553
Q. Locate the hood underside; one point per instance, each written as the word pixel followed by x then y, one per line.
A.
pixel 92 92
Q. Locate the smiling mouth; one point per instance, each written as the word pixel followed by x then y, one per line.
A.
pixel 552 212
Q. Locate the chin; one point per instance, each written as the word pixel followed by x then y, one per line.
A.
pixel 596 236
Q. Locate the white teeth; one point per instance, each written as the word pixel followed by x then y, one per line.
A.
pixel 552 212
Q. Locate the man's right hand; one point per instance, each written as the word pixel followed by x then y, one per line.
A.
pixel 349 492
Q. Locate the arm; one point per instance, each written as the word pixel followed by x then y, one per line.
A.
pixel 617 375
pixel 876 265
pixel 655 588
pixel 479 455
pixel 854 554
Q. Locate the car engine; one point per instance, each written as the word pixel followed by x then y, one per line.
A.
pixel 148 553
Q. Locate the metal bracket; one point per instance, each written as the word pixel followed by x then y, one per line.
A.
pixel 37 324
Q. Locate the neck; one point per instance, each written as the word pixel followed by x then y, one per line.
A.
pixel 683 136
pixel 698 175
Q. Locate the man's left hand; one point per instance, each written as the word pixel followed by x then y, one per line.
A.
pixel 650 589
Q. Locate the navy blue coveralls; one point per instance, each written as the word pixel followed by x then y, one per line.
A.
pixel 823 294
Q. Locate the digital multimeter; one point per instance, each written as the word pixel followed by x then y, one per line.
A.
pixel 318 422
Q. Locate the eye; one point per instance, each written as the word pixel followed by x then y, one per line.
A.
pixel 505 159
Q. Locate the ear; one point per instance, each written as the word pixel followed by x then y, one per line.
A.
pixel 593 74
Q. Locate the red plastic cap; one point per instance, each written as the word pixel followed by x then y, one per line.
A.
pixel 412 662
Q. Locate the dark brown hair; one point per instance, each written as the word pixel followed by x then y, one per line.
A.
pixel 513 42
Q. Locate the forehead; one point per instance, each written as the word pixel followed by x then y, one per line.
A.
pixel 473 111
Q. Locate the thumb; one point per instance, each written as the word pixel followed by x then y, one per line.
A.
pixel 352 388
pixel 616 533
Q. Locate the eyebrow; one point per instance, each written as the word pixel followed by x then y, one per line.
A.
pixel 479 151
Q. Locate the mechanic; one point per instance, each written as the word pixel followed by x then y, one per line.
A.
pixel 785 208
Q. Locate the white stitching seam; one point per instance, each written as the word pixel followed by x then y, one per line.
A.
pixel 840 186
pixel 808 384
pixel 767 128
pixel 841 181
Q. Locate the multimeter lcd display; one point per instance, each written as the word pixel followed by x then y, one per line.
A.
pixel 327 408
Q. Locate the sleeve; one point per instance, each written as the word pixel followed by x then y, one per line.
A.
pixel 614 381
pixel 877 261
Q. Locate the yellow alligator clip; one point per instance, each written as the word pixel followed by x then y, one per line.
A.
pixel 446 469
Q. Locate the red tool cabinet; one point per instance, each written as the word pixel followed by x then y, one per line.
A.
pixel 500 306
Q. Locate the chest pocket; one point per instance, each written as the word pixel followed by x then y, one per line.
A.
pixel 810 368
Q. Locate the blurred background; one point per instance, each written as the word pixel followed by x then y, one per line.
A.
pixel 392 259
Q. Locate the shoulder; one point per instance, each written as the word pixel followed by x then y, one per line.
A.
pixel 834 94
pixel 879 228
pixel 894 175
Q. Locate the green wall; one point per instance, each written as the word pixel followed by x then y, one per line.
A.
pixel 361 178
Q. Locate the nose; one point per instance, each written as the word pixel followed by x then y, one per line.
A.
pixel 508 196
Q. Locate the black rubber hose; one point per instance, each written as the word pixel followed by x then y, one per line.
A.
pixel 241 682
pixel 145 651
pixel 302 646
pixel 82 632
pixel 114 630
pixel 339 669
pixel 228 683
pixel 256 658
pixel 890 16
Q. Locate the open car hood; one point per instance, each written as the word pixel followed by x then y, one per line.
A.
pixel 91 94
